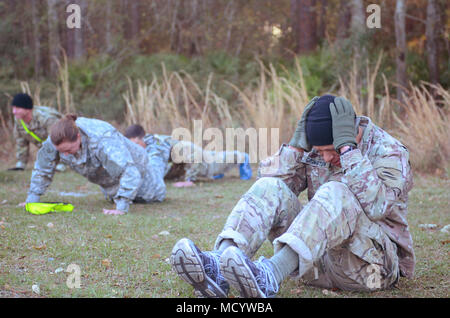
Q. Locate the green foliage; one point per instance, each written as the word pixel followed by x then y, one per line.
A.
pixel 416 67
pixel 144 66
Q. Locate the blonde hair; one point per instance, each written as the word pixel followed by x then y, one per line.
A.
pixel 64 129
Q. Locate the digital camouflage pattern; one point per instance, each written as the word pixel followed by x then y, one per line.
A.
pixel 120 167
pixel 211 163
pixel 43 118
pixel 353 233
pixel 159 146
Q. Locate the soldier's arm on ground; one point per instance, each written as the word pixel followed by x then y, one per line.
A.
pixel 286 165
pixel 117 161
pixel 380 184
pixel 44 169
pixel 22 146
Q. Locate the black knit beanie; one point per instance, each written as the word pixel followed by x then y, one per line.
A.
pixel 23 101
pixel 319 130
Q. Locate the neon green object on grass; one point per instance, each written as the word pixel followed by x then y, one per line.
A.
pixel 39 208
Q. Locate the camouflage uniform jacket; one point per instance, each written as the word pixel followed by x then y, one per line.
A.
pixel 106 158
pixel 160 145
pixel 377 172
pixel 43 118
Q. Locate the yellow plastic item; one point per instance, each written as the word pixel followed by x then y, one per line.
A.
pixel 47 207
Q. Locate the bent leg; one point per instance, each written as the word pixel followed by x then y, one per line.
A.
pixel 265 211
pixel 336 242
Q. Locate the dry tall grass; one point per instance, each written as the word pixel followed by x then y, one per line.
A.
pixel 421 121
pixel 381 112
pixel 64 86
pixel 174 101
pixel 425 126
pixel 277 102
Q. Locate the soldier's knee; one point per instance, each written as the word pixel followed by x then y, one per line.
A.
pixel 333 188
pixel 266 182
pixel 269 185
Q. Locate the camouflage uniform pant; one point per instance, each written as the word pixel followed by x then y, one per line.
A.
pixel 337 245
pixel 203 163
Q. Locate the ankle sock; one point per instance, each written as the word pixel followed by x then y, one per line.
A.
pixel 284 262
pixel 225 244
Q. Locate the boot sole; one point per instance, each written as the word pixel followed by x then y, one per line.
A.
pixel 238 274
pixel 188 265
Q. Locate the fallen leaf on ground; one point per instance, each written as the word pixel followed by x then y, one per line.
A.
pixel 36 289
pixel 156 256
pixel 106 262
pixel 328 292
pixel 40 247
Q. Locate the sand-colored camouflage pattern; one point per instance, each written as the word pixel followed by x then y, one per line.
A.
pixel 353 233
pixel 197 162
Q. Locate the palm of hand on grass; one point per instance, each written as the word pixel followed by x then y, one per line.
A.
pixel 113 212
pixel 184 184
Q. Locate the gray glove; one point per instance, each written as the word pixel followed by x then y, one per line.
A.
pixel 343 121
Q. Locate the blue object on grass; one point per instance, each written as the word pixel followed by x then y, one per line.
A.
pixel 245 171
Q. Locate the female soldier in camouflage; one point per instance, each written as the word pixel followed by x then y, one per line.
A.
pixel 97 151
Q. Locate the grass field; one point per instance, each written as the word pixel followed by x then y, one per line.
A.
pixel 127 256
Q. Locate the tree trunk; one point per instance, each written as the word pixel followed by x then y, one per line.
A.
pixel 344 19
pixel 108 31
pixel 400 39
pixel 322 21
pixel 135 18
pixel 36 37
pixel 53 34
pixel 79 50
pixel 304 25
pixel 431 41
pixel 132 18
pixel 358 17
pixel 357 29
